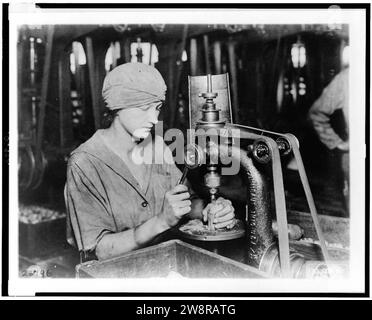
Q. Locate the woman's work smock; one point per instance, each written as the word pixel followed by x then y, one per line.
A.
pixel 102 196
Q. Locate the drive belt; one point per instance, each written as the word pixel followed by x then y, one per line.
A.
pixel 279 195
pixel 303 177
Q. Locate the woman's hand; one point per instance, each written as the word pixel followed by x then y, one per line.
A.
pixel 223 213
pixel 177 204
pixel 343 146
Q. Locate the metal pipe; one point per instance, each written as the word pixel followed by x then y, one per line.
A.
pixel 206 53
pixel 44 88
pixel 217 56
pixel 193 57
pixel 234 78
pixel 259 231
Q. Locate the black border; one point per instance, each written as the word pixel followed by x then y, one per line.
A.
pixel 367 142
pixel 242 308
pixel 206 6
pixel 5 167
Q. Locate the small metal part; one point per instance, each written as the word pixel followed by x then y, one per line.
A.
pixel 193 158
pixel 211 220
pixel 210 114
pixel 198 85
pixel 212 180
pixel 238 231
pixel 284 146
pixel 261 152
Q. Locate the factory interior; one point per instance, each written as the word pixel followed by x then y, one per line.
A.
pixel 274 74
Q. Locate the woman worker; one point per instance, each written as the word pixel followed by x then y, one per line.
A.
pixel 114 202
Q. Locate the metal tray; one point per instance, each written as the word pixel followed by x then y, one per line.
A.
pixel 167 259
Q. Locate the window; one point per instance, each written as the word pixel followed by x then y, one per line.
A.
pixel 112 55
pixel 150 54
pixel 184 56
pixel 298 54
pixel 77 56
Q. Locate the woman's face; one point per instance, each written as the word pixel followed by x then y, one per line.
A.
pixel 139 121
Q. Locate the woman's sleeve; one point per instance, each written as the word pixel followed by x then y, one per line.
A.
pixel 86 203
pixel 331 99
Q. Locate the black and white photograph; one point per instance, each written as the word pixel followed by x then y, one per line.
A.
pixel 187 150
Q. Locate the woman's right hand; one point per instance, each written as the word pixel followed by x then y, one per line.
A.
pixel 177 204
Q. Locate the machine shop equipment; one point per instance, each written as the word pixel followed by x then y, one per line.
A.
pixel 258 153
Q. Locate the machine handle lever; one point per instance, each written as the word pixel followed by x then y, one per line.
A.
pixel 183 177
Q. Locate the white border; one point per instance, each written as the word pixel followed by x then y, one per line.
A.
pixel 355 18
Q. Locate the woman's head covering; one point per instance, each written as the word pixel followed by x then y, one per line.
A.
pixel 132 85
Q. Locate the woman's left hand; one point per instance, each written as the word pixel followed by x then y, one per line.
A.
pixel 223 213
